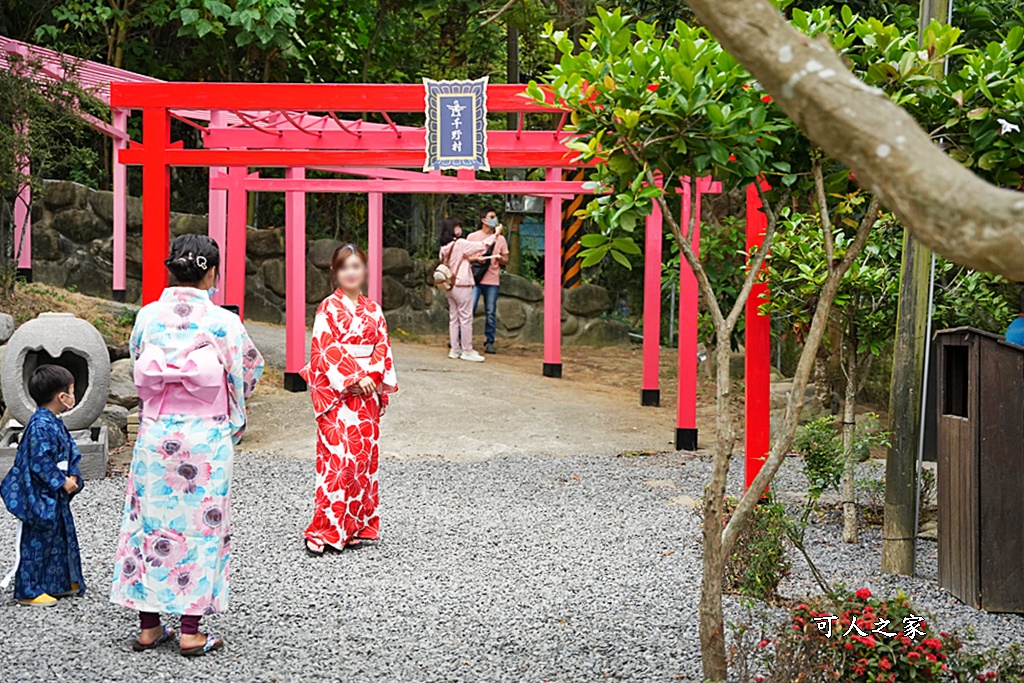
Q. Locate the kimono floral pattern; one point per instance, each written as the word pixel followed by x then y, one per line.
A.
pixel 50 560
pixel 174 549
pixel 348 425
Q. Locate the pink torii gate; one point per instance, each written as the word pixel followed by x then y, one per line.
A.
pixel 254 125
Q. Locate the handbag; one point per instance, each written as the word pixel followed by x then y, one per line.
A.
pixel 480 267
pixel 444 276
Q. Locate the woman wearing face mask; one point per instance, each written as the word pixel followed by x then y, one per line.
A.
pixel 458 252
pixel 351 374
pixel 195 367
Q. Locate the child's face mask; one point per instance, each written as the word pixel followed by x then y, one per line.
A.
pixel 62 398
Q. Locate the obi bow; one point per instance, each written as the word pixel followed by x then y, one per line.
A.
pixel 198 383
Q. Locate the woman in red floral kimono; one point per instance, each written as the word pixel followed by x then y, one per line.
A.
pixel 350 375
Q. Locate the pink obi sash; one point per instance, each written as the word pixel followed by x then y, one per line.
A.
pixel 197 388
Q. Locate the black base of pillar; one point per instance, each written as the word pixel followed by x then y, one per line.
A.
pixel 119 296
pixel 553 370
pixel 293 382
pixel 686 439
pixel 650 397
pixel 25 274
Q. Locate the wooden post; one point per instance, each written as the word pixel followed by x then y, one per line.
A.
pixel 375 244
pixel 553 280
pixel 156 202
pixel 650 393
pixel 757 360
pixel 120 219
pixel 233 259
pixel 217 213
pixel 295 278
pixel 899 530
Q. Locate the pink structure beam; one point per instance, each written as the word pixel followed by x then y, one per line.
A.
pixel 757 359
pixel 650 393
pixel 23 214
pixel 412 139
pixel 375 242
pixel 217 217
pixel 234 255
pixel 553 279
pixel 426 185
pixel 119 173
pixel 295 281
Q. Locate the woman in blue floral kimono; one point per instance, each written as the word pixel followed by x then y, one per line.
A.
pixel 195 366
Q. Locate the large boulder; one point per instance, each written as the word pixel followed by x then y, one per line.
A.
pixel 318 285
pixel 102 203
pixel 393 294
pixel 188 224
pixel 397 262
pixel 273 276
pixel 520 288
pixel 262 304
pixel 570 324
pixel 587 300
pixel 601 332
pixel 87 275
pixel 64 194
pixel 116 420
pixel 265 243
pixel 122 385
pixel 511 313
pixel 6 327
pixel 320 252
pixel 79 225
pixel 46 244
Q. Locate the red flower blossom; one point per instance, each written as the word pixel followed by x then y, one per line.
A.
pixel 863 593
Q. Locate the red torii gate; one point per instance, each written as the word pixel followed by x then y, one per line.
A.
pixel 276 131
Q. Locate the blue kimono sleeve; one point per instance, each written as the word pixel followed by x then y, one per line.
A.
pixel 74 462
pixel 42 446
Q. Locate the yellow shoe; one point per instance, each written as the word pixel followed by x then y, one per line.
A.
pixel 69 594
pixel 43 600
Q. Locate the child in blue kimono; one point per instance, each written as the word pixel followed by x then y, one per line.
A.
pixel 38 491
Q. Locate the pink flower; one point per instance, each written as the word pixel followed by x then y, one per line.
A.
pixel 128 564
pixel 171 444
pixel 186 472
pixel 165 548
pixel 863 593
pixel 210 517
pixel 183 578
pixel 205 605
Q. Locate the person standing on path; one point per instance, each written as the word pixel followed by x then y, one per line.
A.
pixel 195 367
pixel 487 286
pixel 457 253
pixel 351 375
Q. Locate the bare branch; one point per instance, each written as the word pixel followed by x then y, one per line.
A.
pixel 826 220
pixel 498 12
pixel 947 207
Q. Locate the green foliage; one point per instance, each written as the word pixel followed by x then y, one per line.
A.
pixel 758 561
pixel 265 23
pixel 968 297
pixel 821 446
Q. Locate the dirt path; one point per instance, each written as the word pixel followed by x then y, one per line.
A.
pixel 468 411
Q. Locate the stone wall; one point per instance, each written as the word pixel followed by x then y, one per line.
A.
pixel 72 246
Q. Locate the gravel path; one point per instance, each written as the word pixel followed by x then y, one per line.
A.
pixel 509 569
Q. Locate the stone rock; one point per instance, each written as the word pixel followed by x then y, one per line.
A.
pixel 87 275
pixel 532 330
pixel 737 365
pixel 520 288
pixel 929 530
pixel 2 348
pixel 102 203
pixel 511 313
pixel 6 327
pixel 79 225
pixel 251 267
pixel 587 300
pixel 397 262
pixel 570 325
pixel 188 224
pixel 420 299
pixel 46 243
pixel 601 332
pixel 114 350
pixel 393 294
pixel 320 252
pixel 265 243
pixel 116 420
pixel 262 304
pixel 63 339
pixel 133 210
pixel 318 285
pixel 64 194
pixel 117 417
pixel 122 384
pixel 273 276
pixel 50 272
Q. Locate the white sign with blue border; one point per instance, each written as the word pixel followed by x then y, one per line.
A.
pixel 456 125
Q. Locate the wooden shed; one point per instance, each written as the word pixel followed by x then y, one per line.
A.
pixel 981 468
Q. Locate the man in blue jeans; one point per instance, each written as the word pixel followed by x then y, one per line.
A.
pixel 488 286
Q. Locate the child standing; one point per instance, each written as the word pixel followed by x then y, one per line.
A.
pixel 38 491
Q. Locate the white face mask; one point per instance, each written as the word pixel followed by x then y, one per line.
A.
pixel 68 407
pixel 212 291
pixel 491 222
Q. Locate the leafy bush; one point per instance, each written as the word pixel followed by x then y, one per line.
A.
pixel 758 562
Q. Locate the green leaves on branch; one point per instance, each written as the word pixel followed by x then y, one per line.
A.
pixel 266 23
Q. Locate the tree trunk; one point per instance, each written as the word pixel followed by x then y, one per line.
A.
pixel 712 619
pixel 849 494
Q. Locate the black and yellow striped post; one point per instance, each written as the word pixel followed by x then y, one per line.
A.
pixel 572 228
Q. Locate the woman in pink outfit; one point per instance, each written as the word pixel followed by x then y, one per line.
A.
pixel 458 252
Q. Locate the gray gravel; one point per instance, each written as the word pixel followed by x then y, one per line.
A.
pixel 511 569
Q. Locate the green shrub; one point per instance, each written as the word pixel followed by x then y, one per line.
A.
pixel 758 561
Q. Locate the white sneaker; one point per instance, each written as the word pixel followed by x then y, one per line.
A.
pixel 472 356
pixel 455 354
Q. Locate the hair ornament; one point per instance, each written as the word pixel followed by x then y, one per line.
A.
pixel 200 261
